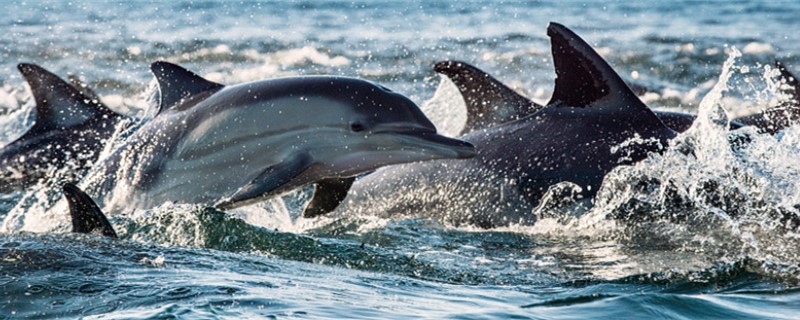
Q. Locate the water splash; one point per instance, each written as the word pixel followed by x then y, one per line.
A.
pixel 17 115
pixel 726 194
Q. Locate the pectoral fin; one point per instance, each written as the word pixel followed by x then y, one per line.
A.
pixel 328 194
pixel 264 185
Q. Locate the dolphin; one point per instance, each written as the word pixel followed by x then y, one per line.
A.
pixel 228 146
pixel 85 214
pixel 70 131
pixel 592 123
pixel 490 102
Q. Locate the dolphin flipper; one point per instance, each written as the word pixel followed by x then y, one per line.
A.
pixel 86 216
pixel 176 83
pixel 58 104
pixel 489 102
pixel 328 194
pixel 271 179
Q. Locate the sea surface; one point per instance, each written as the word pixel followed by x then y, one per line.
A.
pixel 710 233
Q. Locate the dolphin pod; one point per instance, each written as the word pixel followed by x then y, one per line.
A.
pixel 524 148
pixel 228 146
pixel 71 128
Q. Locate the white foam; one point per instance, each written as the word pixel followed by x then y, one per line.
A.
pixel 758 48
pixel 305 55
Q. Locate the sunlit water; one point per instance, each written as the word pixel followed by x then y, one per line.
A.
pixel 706 230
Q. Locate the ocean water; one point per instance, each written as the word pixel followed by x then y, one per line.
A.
pixel 720 240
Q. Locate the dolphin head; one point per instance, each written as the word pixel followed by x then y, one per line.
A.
pixel 274 135
pixel 367 126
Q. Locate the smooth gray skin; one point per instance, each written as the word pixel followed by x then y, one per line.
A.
pixel 70 131
pixel 229 146
pixel 578 138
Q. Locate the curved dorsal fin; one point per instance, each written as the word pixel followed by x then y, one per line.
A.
pixel 176 83
pixel 59 104
pixel 489 102
pixel 86 216
pixel 582 76
pixel 585 80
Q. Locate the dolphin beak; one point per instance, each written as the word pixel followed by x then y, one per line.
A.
pixel 436 145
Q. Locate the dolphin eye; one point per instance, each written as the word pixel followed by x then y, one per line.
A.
pixel 357 127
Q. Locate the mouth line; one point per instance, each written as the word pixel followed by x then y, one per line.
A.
pixel 437 143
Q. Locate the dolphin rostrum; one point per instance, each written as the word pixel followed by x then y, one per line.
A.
pixel 70 130
pixel 592 124
pixel 85 214
pixel 229 146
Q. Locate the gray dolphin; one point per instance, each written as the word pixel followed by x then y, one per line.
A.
pixel 229 146
pixel 86 216
pixel 592 124
pixel 70 130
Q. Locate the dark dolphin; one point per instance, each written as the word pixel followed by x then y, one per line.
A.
pixel 70 131
pixel 592 124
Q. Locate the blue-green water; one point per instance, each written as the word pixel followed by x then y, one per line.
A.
pixel 729 257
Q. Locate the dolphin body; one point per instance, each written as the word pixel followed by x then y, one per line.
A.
pixel 70 130
pixel 229 146
pixel 592 124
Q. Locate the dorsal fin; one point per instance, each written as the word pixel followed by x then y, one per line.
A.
pixel 582 76
pixel 489 102
pixel 176 83
pixel 59 104
pixel 791 81
pixel 86 216
pixel 585 80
